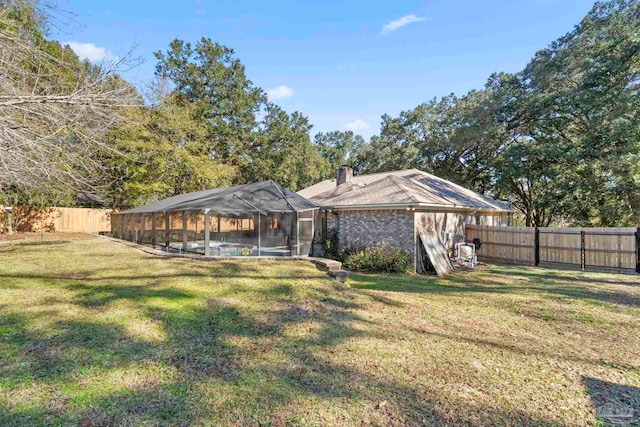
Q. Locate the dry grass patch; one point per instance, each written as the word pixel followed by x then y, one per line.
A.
pixel 96 333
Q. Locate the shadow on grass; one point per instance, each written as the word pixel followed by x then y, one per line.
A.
pixel 256 367
pixel 98 295
pixel 216 274
pixel 480 283
pixel 44 242
pixel 548 274
pixel 195 346
pixel 24 245
pixel 73 346
pixel 154 404
pixel 586 293
pixel 272 370
pixel 520 348
pixel 424 284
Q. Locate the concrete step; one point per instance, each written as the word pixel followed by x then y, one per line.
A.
pixel 340 276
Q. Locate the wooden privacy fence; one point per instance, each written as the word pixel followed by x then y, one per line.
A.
pixel 81 220
pixel 55 219
pixel 607 249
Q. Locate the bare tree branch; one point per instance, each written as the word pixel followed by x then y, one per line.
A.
pixel 54 109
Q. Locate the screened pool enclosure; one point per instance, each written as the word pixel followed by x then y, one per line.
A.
pixel 259 219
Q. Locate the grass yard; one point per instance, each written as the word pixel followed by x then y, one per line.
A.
pixel 93 333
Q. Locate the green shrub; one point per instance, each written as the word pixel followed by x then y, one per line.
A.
pixel 377 259
pixel 332 245
pixel 347 250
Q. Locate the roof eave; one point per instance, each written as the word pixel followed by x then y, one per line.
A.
pixel 412 205
pixel 173 211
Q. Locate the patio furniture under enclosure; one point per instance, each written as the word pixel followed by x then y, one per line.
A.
pixel 259 219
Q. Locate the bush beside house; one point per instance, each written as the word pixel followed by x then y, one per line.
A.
pixel 381 258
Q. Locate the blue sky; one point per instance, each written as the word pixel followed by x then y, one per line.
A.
pixel 342 63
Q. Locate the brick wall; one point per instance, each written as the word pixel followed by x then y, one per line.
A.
pixel 398 227
pixel 370 227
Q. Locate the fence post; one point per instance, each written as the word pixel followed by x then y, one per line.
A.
pixel 537 246
pixel 185 233
pixel 153 230
pixel 167 231
pixel 207 233
pixel 583 255
pixel 143 220
pixel 9 220
pixel 638 250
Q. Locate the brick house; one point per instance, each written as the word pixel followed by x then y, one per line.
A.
pixel 394 207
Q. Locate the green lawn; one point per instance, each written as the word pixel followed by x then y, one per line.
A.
pixel 95 333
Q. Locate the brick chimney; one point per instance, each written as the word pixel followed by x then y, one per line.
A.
pixel 344 175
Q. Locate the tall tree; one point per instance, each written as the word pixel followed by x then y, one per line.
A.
pixel 159 153
pixel 577 116
pixel 285 153
pixel 454 138
pixel 212 82
pixel 338 148
pixel 560 140
pixel 209 76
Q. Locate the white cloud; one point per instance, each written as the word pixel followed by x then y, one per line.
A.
pixel 280 92
pixel 90 51
pixel 399 23
pixel 357 125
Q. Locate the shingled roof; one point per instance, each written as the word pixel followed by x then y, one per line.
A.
pixel 409 187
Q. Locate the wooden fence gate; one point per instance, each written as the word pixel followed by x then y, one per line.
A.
pixel 606 249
